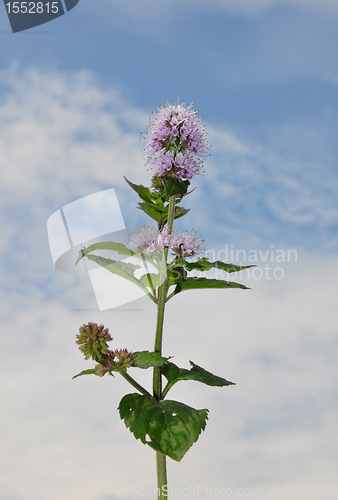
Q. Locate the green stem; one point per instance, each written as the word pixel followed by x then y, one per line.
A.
pixel 166 389
pixel 157 379
pixel 157 384
pixel 171 213
pixel 170 296
pixel 135 384
pixel 161 476
pixel 162 295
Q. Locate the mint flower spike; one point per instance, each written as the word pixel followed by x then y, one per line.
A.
pixel 177 141
pixel 92 341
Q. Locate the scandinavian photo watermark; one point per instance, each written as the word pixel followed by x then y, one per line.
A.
pixel 98 217
pixel 205 491
pixel 270 262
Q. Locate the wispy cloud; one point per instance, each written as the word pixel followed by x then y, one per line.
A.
pixel 281 191
pixel 74 136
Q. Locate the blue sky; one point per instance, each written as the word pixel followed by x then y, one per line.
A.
pixel 266 71
pixel 75 95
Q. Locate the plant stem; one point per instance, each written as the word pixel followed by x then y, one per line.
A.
pixel 157 382
pixel 161 476
pixel 171 213
pixel 157 379
pixel 135 384
pixel 157 385
pixel 162 295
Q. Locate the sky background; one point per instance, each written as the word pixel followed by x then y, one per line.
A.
pixel 75 95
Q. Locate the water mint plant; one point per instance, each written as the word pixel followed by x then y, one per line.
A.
pixel 176 147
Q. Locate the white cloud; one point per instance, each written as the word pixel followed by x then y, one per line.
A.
pixel 290 180
pixel 74 136
pixel 62 136
pixel 278 342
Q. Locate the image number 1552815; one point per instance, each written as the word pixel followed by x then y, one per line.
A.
pixel 21 12
pixel 32 7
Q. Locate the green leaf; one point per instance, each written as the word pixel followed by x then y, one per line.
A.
pixel 106 245
pixel 119 248
pixel 204 265
pixel 176 275
pixel 99 370
pixel 143 192
pixel 154 212
pixel 159 212
pixel 146 359
pixel 124 269
pixel 91 371
pixel 115 266
pixel 173 374
pixel 174 186
pixel 167 426
pixel 152 280
pixel 160 205
pixel 180 211
pixel 194 283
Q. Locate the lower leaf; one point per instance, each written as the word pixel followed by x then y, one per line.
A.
pixel 167 426
pixel 191 283
pixel 146 359
pixel 173 374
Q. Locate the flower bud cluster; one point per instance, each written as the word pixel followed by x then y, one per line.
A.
pixel 121 358
pixel 149 239
pixel 92 340
pixel 176 141
pixel 114 361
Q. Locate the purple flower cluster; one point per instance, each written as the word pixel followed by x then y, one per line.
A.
pixel 148 239
pixel 144 239
pixel 186 244
pixel 176 141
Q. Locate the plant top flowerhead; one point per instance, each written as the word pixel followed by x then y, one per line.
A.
pixel 177 141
